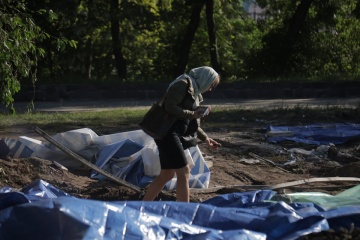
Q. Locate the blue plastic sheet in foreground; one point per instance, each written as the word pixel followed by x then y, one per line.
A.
pixel 318 134
pixel 41 211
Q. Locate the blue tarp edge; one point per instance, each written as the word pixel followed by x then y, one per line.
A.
pixel 41 211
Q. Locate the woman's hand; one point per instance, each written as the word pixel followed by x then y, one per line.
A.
pixel 212 143
pixel 197 114
pixel 201 112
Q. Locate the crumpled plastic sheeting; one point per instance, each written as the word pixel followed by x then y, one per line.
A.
pixel 131 156
pixel 35 191
pixel 318 134
pixel 53 214
pixel 348 197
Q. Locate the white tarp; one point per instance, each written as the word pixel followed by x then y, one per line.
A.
pixel 131 156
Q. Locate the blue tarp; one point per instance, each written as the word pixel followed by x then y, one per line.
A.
pixel 318 134
pixel 40 211
pixel 131 156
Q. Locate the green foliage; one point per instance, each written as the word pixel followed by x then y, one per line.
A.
pixel 19 35
pixel 144 41
pixel 238 37
pixel 34 43
pixel 18 49
pixel 326 48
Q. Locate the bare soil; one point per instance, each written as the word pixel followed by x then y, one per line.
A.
pixel 243 163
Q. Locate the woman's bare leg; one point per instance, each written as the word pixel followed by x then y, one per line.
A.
pixel 158 184
pixel 182 185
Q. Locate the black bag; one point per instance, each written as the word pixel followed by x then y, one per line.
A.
pixel 157 122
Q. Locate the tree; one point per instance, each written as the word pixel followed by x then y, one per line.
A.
pixel 88 23
pixel 18 49
pixel 212 35
pixel 139 40
pixel 308 39
pixel 296 24
pixel 19 36
pixel 285 30
pixel 189 37
pixel 120 62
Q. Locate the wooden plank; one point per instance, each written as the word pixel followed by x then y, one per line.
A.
pixel 312 180
pixel 276 186
pixel 85 162
pixel 215 189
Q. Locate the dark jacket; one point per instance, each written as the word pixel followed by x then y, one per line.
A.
pixel 180 101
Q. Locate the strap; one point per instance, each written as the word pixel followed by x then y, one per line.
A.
pixel 162 100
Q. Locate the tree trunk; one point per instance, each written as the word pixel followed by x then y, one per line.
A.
pixel 89 46
pixel 212 35
pixel 356 11
pixel 297 21
pixel 286 50
pixel 120 62
pixel 189 37
pixel 88 59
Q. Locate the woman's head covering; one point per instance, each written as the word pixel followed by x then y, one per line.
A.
pixel 202 78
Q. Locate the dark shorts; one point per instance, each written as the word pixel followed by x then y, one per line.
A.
pixel 171 149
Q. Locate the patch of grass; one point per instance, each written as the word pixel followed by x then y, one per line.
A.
pixel 96 117
pixel 122 119
pixel 112 121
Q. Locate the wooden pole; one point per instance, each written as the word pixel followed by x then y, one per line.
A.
pixel 85 162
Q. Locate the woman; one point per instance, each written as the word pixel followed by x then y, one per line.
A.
pixel 183 98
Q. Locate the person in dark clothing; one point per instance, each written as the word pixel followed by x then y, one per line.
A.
pixel 183 100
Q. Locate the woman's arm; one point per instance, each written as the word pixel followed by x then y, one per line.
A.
pixel 174 99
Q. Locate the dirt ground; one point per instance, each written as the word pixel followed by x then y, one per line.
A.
pixel 245 162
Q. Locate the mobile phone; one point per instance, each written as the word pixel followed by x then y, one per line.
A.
pixel 203 110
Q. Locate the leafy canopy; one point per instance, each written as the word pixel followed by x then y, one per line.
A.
pixel 19 52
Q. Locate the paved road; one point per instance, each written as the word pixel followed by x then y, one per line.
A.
pixel 85 105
